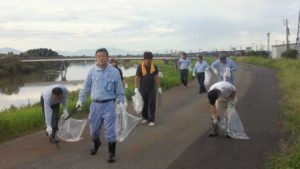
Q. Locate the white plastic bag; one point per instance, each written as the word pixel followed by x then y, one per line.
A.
pixel 125 122
pixel 70 130
pixel 160 74
pixel 231 123
pixel 227 72
pixel 207 77
pixel 137 101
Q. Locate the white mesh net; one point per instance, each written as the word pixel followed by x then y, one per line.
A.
pixel 70 130
pixel 125 122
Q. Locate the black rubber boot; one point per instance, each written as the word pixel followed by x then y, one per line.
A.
pixel 227 135
pixel 111 152
pixel 97 144
pixel 52 138
pixel 215 131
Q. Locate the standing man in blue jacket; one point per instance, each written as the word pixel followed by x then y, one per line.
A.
pixel 224 68
pixel 184 63
pixel 106 88
pixel 199 70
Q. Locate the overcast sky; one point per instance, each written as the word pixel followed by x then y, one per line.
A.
pixel 155 25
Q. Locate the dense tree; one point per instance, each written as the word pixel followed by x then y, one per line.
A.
pixel 291 53
pixel 41 52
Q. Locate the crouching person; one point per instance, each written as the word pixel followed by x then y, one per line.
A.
pixel 222 98
pixel 106 88
pixel 51 98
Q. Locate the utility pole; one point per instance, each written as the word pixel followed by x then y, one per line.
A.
pixel 297 46
pixel 268 34
pixel 286 24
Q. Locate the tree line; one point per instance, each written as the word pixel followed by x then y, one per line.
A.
pixel 10 64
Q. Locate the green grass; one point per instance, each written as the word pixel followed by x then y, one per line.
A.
pixel 18 122
pixel 288 73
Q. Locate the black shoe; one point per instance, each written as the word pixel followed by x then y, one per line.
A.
pixel 226 135
pixel 111 152
pixel 53 140
pixel 213 134
pixel 97 144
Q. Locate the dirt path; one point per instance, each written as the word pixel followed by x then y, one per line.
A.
pixel 178 141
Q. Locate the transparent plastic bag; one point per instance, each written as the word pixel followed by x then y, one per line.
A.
pixel 125 122
pixel 227 72
pixel 232 124
pixel 207 77
pixel 138 103
pixel 70 130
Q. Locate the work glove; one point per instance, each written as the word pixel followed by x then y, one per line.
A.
pixel 216 72
pixel 136 90
pixel 126 86
pixel 65 113
pixel 159 90
pixel 49 130
pixel 78 105
pixel 160 74
pixel 215 121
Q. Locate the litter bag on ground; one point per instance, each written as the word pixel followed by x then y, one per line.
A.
pixel 125 122
pixel 232 124
pixel 207 77
pixel 70 130
pixel 138 103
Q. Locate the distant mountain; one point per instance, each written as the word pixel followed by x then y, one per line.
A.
pixel 91 52
pixel 5 50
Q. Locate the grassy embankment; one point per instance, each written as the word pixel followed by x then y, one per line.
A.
pixel 288 71
pixel 18 122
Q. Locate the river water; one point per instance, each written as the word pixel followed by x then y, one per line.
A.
pixel 23 90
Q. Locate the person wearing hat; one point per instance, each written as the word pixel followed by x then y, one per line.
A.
pixel 223 68
pixel 184 63
pixel 106 88
pixel 145 78
pixel 51 98
pixel 199 70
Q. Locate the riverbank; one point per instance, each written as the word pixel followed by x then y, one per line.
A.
pixel 10 65
pixel 288 71
pixel 16 122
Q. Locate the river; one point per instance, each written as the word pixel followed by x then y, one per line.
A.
pixel 23 90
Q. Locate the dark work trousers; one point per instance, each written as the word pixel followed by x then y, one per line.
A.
pixel 149 98
pixel 55 114
pixel 201 77
pixel 184 76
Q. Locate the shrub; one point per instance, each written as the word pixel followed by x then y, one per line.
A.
pixel 291 53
